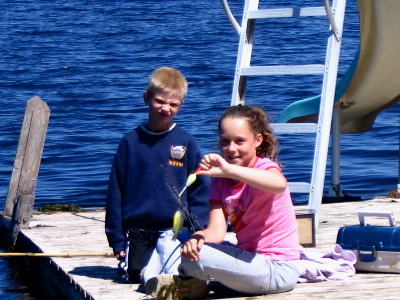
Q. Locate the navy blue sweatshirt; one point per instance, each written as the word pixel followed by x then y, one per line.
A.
pixel 138 196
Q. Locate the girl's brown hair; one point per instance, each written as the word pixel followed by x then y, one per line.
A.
pixel 258 121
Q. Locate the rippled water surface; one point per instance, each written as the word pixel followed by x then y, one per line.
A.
pixel 89 60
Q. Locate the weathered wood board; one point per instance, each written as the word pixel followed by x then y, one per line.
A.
pixel 97 277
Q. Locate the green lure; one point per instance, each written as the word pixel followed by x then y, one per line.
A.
pixel 177 224
pixel 191 179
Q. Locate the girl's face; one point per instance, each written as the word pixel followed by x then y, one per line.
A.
pixel 237 142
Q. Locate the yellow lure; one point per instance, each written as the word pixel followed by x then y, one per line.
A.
pixel 177 224
pixel 192 178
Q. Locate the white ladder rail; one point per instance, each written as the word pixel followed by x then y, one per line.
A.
pixel 326 111
pixel 322 129
pixel 244 52
pixel 243 68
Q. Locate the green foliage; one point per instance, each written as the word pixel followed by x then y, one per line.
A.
pixel 60 207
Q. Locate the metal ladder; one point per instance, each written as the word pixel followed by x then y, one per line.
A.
pixel 243 70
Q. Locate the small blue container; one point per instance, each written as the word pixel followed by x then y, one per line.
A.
pixel 377 247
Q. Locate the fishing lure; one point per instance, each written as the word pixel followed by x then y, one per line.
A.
pixel 191 179
pixel 177 223
pixel 178 216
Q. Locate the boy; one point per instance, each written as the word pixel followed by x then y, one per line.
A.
pixel 150 168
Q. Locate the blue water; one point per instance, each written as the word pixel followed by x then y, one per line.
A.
pixel 89 60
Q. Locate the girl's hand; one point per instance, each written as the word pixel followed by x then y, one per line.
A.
pixel 191 248
pixel 270 180
pixel 213 165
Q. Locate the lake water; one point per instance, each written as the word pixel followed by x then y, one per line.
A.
pixel 90 60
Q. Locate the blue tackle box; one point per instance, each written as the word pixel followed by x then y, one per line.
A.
pixel 377 247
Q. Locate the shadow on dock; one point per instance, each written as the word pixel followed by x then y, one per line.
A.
pixel 31 276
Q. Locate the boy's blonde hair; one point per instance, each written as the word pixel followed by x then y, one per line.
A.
pixel 169 79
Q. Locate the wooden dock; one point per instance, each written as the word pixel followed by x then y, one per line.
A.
pixel 97 277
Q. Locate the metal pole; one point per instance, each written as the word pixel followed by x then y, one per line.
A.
pixel 230 16
pixel 335 189
pixel 398 181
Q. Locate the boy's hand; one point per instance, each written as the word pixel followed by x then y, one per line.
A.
pixel 120 255
pixel 191 248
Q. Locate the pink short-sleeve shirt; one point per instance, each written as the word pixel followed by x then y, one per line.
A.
pixel 263 222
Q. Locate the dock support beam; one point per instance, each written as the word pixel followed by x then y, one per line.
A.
pixel 21 191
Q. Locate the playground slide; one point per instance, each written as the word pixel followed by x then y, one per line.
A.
pixel 372 82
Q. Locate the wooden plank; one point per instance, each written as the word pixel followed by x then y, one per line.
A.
pixel 23 139
pixel 97 277
pixel 20 198
pixel 29 153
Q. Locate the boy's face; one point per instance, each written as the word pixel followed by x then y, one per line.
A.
pixel 163 107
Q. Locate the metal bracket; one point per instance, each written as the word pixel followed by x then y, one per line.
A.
pixel 332 21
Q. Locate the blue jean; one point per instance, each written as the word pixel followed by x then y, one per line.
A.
pixel 166 257
pixel 241 270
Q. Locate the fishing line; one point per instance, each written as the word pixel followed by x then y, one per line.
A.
pixel 172 187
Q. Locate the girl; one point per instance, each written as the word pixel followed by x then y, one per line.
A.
pixel 249 190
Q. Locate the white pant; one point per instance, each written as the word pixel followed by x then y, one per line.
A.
pixel 166 257
pixel 241 270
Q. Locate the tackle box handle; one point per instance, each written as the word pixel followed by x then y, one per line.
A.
pixel 389 215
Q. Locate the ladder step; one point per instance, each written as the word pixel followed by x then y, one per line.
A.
pixel 287 12
pixel 299 187
pixel 283 70
pixel 288 128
